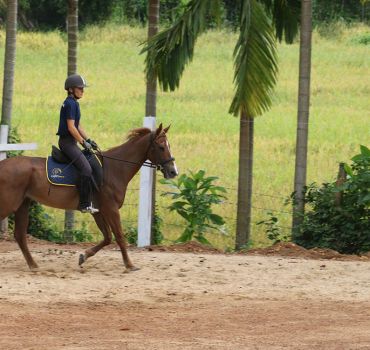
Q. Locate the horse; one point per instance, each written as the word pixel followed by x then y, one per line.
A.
pixel 23 179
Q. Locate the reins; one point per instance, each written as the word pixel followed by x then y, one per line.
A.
pixel 146 164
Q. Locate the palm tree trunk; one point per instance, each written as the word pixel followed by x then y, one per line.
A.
pixel 303 112
pixel 9 64
pixel 8 82
pixel 72 30
pixel 243 220
pixel 151 92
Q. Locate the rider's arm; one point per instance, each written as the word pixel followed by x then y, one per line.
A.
pixel 82 132
pixel 74 131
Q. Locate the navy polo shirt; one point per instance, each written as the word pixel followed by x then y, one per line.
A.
pixel 70 110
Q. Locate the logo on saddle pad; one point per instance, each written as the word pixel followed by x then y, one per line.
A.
pixel 56 173
pixel 66 174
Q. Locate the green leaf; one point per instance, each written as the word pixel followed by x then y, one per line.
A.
pixel 179 204
pixel 216 219
pixel 185 237
pixel 365 151
pixel 348 169
pixel 203 240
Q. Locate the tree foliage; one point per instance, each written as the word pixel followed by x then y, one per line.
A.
pixel 50 14
pixel 343 227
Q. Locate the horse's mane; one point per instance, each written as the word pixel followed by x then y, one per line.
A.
pixel 133 135
pixel 136 133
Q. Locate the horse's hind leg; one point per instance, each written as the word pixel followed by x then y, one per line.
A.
pixel 105 229
pixel 21 219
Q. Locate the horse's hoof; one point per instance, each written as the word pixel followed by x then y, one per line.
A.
pixel 133 268
pixel 81 259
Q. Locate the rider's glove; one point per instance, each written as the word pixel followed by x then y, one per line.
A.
pixel 93 144
pixel 87 145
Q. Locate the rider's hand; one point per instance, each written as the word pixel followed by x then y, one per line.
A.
pixel 93 144
pixel 87 145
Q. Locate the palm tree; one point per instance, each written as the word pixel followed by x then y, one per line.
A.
pixel 9 64
pixel 303 113
pixel 8 82
pixel 255 71
pixel 151 90
pixel 72 30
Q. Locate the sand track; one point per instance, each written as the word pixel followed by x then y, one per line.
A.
pixel 181 301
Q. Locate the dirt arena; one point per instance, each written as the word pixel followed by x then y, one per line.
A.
pixel 280 298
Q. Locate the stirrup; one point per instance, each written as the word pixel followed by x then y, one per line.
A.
pixel 89 209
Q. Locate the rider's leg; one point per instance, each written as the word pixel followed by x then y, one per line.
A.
pixel 70 148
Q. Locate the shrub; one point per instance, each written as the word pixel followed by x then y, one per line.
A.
pixel 193 200
pixel 274 230
pixel 82 234
pixel 344 227
pixel 131 232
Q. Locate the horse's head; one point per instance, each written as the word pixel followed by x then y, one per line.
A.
pixel 160 153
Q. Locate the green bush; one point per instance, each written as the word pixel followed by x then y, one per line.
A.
pixel 274 231
pixel 82 234
pixel 344 227
pixel 131 232
pixel 193 200
pixel 40 224
pixel 363 39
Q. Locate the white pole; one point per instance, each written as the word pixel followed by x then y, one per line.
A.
pixel 3 138
pixel 145 198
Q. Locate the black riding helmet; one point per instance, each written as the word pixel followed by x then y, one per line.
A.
pixel 75 80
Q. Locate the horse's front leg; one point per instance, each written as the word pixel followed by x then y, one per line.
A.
pixel 105 230
pixel 115 224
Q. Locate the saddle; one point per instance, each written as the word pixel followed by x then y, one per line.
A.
pixel 61 171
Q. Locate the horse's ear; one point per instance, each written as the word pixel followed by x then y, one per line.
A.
pixel 159 130
pixel 166 129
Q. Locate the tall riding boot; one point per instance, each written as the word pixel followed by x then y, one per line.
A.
pixel 85 188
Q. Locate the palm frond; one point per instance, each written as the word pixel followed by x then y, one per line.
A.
pixel 171 50
pixel 255 61
pixel 285 15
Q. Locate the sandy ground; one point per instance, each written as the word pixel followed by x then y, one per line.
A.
pixel 181 301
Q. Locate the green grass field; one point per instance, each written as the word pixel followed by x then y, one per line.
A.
pixel 203 135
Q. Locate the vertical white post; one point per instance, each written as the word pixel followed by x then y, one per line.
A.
pixel 4 129
pixel 145 198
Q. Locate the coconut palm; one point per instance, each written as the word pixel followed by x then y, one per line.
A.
pixel 303 113
pixel 72 31
pixel 255 64
pixel 151 87
pixel 8 82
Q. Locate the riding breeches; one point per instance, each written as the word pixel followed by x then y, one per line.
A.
pixel 68 145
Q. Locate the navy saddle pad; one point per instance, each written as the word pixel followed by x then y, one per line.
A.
pixel 66 174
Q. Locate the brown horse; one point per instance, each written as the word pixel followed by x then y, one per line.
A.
pixel 23 179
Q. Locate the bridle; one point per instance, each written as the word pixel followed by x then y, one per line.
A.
pixel 159 164
pixel 156 165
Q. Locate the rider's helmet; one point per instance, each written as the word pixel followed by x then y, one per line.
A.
pixel 75 80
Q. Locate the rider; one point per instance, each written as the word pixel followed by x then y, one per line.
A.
pixel 70 132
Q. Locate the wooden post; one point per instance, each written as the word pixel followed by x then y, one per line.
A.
pixel 341 179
